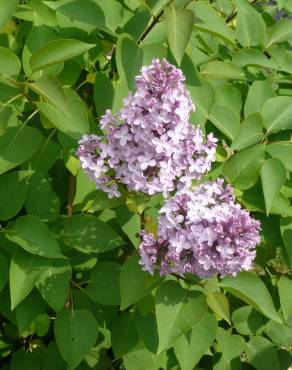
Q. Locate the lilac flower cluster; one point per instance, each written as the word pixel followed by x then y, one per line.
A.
pixel 149 146
pixel 201 231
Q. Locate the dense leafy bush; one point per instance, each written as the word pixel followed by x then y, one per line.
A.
pixel 72 293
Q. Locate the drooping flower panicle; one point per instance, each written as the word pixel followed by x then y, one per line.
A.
pixel 149 146
pixel 201 231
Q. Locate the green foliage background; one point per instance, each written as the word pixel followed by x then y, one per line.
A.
pixel 72 295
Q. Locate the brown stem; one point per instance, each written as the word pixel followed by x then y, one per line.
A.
pixel 71 194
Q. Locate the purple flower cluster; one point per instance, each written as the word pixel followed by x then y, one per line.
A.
pixel 201 231
pixel 149 146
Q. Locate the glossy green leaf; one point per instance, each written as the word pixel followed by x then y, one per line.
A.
pixel 104 283
pixel 261 354
pixel 281 151
pixel 9 63
pixel 285 286
pixel 250 26
pixel 252 57
pixel 280 32
pixel 33 235
pixel 72 119
pixel 129 57
pixel 286 233
pixel 3 271
pixel 13 190
pixel 258 93
pixel 103 93
pixel 209 20
pixel 242 169
pixel 53 284
pixel 190 347
pixel 41 200
pixel 219 305
pixel 250 288
pixel 52 358
pixel 75 333
pixel 7 7
pixel 250 132
pixel 247 321
pixel 88 234
pixel 273 176
pixel 24 271
pixel 134 282
pixel 230 345
pixel 225 119
pixel 124 335
pixel 218 70
pixel 57 51
pixel 146 327
pixel 17 145
pixel 184 307
pixel 179 25
pixel 277 114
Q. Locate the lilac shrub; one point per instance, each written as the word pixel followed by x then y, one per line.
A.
pixel 149 146
pixel 201 231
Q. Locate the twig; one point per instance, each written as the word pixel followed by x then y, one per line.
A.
pixel 71 194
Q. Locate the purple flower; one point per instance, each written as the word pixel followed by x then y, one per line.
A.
pixel 201 231
pixel 150 146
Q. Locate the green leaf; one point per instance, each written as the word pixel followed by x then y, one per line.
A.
pixel 252 57
pixel 75 333
pixel 225 119
pixel 203 96
pixel 8 7
pixel 219 305
pixel 258 94
pixel 24 271
pixel 280 32
pixel 262 354
pixel 247 321
pixel 250 26
pixel 104 283
pixel 89 13
pixel 53 359
pixel 230 345
pixel 13 190
pixel 124 335
pixel 57 51
pixel 280 334
pixel 135 283
pixel 3 272
pixel 250 132
pixel 285 286
pixel 130 224
pixel 217 70
pixel 209 20
pixel 230 97
pixel 129 57
pixel 17 145
pixel 88 234
pixel 27 311
pixel 146 327
pixel 286 233
pixel 191 347
pixel 50 88
pixel 242 169
pixel 41 200
pixel 140 359
pixel 72 119
pixel 33 235
pixel 53 284
pixel 179 25
pixel 281 151
pixel 250 288
pixel 277 114
pixel 25 360
pixel 273 176
pixel 9 63
pixel 184 307
pixel 103 93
